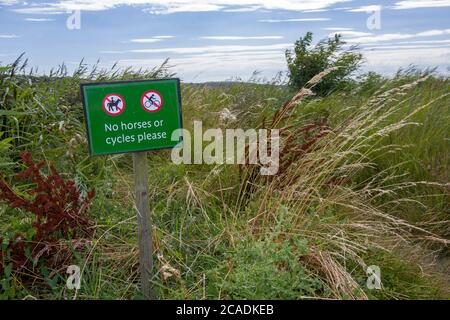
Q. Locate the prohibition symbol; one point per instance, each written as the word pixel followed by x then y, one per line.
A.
pixel 152 101
pixel 113 104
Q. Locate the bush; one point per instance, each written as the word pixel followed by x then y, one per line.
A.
pixel 305 61
pixel 269 266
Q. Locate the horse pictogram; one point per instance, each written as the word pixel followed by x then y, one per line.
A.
pixel 113 104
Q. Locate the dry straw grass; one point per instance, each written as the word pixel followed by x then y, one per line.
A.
pixel 318 167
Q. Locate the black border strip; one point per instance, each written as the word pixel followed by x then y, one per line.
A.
pixel 86 118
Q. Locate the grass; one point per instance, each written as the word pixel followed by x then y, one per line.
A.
pixel 371 190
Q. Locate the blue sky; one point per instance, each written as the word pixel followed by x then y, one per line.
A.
pixel 213 40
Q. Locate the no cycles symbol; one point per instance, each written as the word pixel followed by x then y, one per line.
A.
pixel 152 101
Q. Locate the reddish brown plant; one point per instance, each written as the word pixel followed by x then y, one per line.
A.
pixel 60 213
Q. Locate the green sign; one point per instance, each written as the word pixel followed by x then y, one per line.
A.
pixel 131 116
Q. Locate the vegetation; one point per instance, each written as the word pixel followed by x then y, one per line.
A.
pixel 363 181
pixel 305 61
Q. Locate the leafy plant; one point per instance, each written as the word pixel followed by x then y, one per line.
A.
pixel 306 61
pixel 60 214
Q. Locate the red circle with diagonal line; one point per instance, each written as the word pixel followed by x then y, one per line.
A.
pixel 152 101
pixel 113 104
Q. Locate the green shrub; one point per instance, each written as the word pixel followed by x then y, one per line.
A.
pixel 306 61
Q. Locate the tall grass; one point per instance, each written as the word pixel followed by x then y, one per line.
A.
pixel 363 181
pixel 337 198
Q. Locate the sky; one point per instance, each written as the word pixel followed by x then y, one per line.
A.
pixel 217 40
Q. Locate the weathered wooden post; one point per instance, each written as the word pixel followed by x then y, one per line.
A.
pixel 144 224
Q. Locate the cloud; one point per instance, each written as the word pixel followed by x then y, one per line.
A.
pixel 174 6
pixel 370 8
pixel 346 33
pixel 226 38
pixel 151 39
pixel 385 61
pixel 415 4
pixel 8 36
pixel 405 47
pixel 8 2
pixel 208 49
pixel 39 19
pixel 294 20
pixel 40 10
pixel 315 10
pixel 215 63
pixel 338 29
pixel 431 33
pixel 425 41
pixel 406 4
pixel 218 66
pixel 181 7
pixel 243 9
pixel 112 52
pixel 374 38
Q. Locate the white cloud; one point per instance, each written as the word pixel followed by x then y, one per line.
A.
pixel 218 66
pixel 338 29
pixel 184 7
pixel 402 5
pixel 226 38
pixel 151 39
pixel 40 10
pixel 404 47
pixel 373 38
pixel 8 36
pixel 259 53
pixel 208 49
pixel 370 8
pixel 415 4
pixel 425 41
pixel 244 9
pixel 8 2
pixel 387 61
pixel 294 20
pixel 39 19
pixel 315 10
pixel 346 33
pixel 112 52
pixel 431 33
pixel 218 62
pixel 173 6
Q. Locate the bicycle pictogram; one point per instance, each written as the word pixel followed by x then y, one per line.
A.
pixel 152 101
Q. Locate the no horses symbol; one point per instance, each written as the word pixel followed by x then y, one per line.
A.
pixel 113 104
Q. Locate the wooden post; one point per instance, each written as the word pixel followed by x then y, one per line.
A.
pixel 143 222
